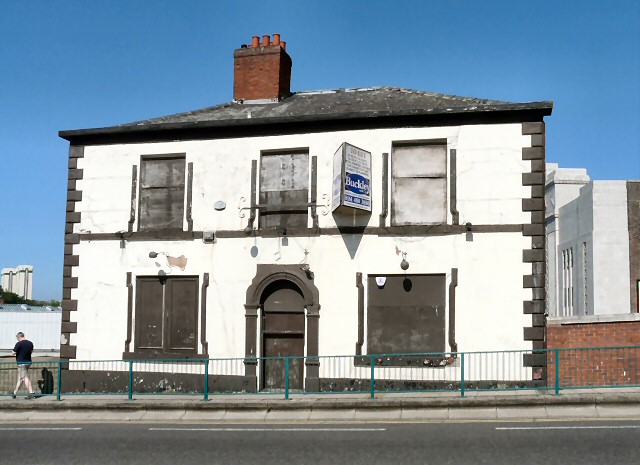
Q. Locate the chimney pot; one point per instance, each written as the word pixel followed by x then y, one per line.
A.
pixel 266 40
pixel 255 41
pixel 283 44
pixel 276 39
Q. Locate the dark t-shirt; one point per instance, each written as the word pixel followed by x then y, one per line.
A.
pixel 23 351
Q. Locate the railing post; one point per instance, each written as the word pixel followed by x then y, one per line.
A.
pixel 286 379
pixel 373 378
pixel 462 374
pixel 557 351
pixel 130 379
pixel 206 379
pixel 59 379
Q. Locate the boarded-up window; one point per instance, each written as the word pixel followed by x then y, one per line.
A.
pixel 162 193
pixel 406 314
pixel 419 184
pixel 166 315
pixel 284 189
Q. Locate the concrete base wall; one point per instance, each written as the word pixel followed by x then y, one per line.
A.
pixel 90 381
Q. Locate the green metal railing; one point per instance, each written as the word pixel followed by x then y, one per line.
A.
pixel 462 372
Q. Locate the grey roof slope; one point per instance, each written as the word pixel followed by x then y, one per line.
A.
pixel 324 105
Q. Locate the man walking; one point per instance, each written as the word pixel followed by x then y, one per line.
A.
pixel 22 351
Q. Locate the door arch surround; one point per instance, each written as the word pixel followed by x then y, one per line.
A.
pixel 266 275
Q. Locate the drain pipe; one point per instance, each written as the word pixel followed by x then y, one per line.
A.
pixel 360 287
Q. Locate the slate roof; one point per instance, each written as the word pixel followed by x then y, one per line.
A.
pixel 325 105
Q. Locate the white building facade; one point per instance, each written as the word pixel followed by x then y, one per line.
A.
pixel 213 234
pixel 592 244
pixel 18 280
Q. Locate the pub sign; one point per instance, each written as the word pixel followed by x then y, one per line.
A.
pixel 351 180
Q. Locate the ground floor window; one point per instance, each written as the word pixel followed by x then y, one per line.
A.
pixel 166 316
pixel 406 314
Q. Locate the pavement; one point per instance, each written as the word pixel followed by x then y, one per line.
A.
pixel 618 403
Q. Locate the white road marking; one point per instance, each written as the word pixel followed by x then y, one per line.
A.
pixel 40 429
pixel 269 429
pixel 568 427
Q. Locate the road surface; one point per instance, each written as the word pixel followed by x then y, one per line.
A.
pixel 457 443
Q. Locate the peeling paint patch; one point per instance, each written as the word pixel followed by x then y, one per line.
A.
pixel 180 261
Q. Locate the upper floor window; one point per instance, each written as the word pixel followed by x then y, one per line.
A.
pixel 419 184
pixel 284 190
pixel 162 189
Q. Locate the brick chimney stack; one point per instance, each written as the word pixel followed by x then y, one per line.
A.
pixel 262 70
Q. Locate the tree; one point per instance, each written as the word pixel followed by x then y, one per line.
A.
pixel 13 298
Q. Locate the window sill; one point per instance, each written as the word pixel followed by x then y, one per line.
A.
pixel 171 233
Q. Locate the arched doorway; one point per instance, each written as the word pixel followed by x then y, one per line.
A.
pixel 282 299
pixel 282 335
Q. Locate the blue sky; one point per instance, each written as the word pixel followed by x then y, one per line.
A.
pixel 80 64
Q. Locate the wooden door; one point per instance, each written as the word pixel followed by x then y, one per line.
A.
pixel 283 323
pixel 181 327
pixel 149 314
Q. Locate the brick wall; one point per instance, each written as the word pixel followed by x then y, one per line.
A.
pixel 583 358
pixel 261 73
pixel 633 215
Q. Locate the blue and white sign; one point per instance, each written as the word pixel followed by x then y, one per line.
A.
pixel 351 178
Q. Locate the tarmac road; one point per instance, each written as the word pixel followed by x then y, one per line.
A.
pixel 596 442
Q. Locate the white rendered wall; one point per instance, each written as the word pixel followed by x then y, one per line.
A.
pixel 489 290
pixel 575 225
pixel 489 173
pixel 610 248
pixel 489 295
pixel 561 187
pixel 593 215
